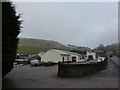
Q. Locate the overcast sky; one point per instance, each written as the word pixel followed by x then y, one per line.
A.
pixel 78 23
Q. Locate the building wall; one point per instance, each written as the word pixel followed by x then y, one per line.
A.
pixel 41 53
pixel 66 58
pixel 51 55
pixel 74 56
pixel 81 58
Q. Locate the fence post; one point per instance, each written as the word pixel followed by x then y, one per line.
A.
pixel 58 68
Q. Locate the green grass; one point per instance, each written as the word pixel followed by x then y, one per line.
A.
pixel 34 49
pixel 117 54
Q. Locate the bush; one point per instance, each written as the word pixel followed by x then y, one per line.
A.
pixel 78 51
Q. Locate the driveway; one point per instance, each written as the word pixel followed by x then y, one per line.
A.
pixel 46 77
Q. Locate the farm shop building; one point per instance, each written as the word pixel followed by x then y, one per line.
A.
pixel 62 56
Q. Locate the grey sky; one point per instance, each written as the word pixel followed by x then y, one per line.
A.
pixel 83 24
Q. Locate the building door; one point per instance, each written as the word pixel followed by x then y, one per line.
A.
pixel 90 57
pixel 63 59
pixel 73 59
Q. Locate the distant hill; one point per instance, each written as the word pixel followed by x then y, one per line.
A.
pixel 40 42
pixel 79 47
pixel 34 46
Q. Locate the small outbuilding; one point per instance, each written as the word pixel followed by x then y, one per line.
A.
pixel 91 56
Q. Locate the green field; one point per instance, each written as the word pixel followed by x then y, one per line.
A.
pixel 34 49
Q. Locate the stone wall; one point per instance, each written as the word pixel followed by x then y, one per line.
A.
pixel 78 69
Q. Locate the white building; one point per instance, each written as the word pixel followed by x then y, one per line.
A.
pixel 91 56
pixel 41 53
pixel 61 55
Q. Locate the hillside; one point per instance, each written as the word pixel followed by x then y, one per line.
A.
pixel 40 42
pixel 34 46
pixel 22 49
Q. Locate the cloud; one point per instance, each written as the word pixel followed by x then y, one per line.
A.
pixel 87 24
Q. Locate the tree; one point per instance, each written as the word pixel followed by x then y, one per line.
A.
pixel 10 30
pixel 100 47
pixel 78 51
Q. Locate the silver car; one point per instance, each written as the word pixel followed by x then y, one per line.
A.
pixel 35 62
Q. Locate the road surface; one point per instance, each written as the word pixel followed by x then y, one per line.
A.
pixel 116 60
pixel 46 77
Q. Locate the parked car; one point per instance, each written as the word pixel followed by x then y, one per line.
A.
pixel 111 55
pixel 35 62
pixel 95 60
pixel 15 64
pixel 49 63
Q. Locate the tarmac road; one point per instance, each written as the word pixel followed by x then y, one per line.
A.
pixel 116 59
pixel 46 77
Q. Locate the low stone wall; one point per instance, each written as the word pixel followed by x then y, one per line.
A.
pixel 77 70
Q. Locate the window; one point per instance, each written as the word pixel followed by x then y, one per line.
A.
pixel 82 57
pixel 67 58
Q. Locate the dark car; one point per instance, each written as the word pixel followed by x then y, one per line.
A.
pixel 111 55
pixel 49 63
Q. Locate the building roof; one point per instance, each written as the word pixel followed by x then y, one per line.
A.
pixel 63 52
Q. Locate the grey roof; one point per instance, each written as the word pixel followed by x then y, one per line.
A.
pixel 63 52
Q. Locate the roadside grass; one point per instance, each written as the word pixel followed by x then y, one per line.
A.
pixel 117 53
